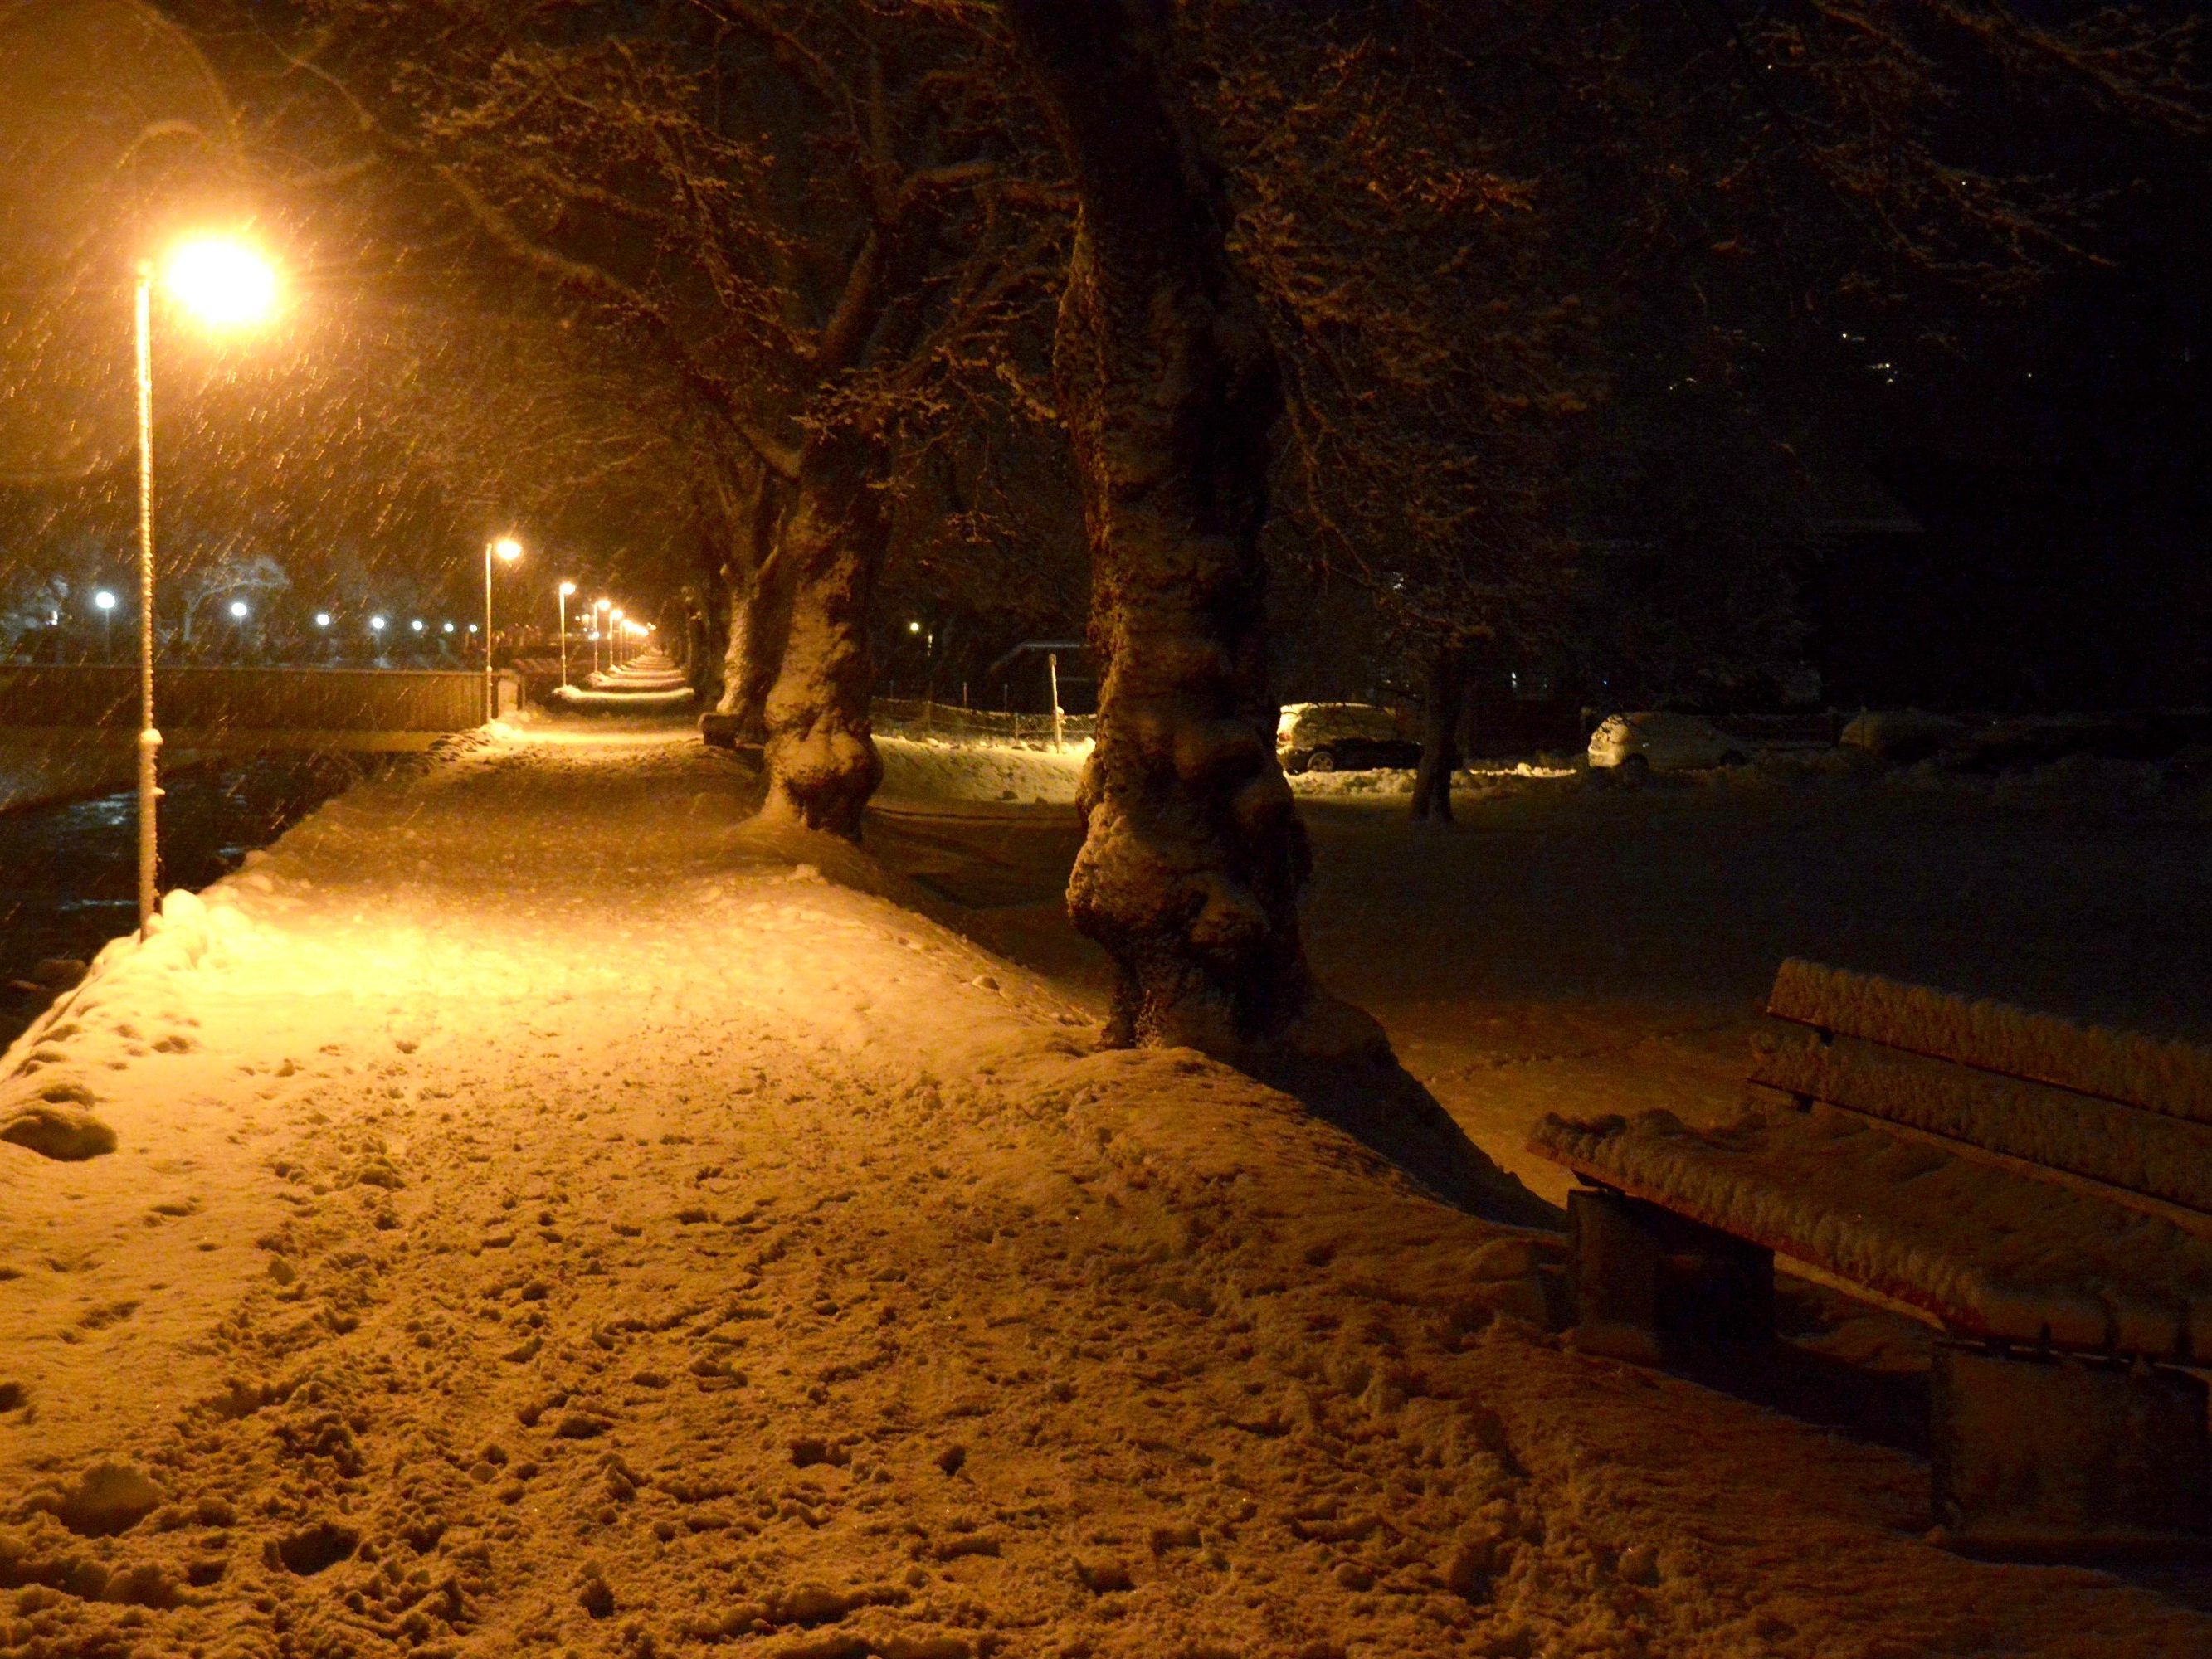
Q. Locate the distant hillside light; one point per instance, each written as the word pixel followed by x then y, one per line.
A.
pixel 220 281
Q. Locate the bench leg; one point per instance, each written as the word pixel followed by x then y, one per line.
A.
pixel 1648 1282
pixel 2043 1457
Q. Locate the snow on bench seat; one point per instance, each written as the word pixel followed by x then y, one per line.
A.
pixel 1988 1253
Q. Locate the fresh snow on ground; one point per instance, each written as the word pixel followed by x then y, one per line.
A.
pixel 554 1212
pixel 935 769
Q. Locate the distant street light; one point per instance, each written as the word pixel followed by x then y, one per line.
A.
pixel 223 284
pixel 416 624
pixel 237 609
pixel 449 628
pixel 561 602
pixel 508 551
pixel 106 603
pixel 376 625
pixel 322 619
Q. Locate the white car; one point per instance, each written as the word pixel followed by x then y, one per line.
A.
pixel 1656 741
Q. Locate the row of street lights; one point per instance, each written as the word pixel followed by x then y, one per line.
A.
pixel 225 284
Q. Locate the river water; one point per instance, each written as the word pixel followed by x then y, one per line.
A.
pixel 68 878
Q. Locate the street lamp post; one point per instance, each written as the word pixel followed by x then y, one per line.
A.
pixel 509 551
pixel 223 283
pixel 561 601
pixel 599 607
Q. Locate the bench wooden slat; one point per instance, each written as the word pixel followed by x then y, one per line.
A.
pixel 2158 1076
pixel 2163 1157
pixel 1989 1254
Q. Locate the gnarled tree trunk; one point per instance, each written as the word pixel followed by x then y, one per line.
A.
pixel 822 760
pixel 759 618
pixel 1193 854
pixel 1440 719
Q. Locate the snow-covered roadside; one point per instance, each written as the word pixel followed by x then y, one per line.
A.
pixel 939 770
pixel 553 1213
pixel 936 769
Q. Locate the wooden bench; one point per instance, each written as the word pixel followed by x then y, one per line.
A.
pixel 2039 1190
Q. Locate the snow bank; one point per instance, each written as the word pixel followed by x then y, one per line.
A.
pixel 924 768
pixel 621 703
pixel 1480 781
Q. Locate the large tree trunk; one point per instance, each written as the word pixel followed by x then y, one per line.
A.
pixel 822 759
pixel 1440 719
pixel 758 617
pixel 1193 854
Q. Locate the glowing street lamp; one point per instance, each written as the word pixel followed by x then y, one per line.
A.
pixel 105 602
pixel 221 284
pixel 561 601
pixel 322 619
pixel 507 549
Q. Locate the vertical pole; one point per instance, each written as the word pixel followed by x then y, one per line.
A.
pixel 489 710
pixel 149 739
pixel 1059 720
pixel 563 600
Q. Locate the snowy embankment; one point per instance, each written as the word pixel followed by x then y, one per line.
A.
pixel 920 770
pixel 35 771
pixel 551 1212
pixel 917 770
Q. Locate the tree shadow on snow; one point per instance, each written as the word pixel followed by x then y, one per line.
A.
pixel 1380 1105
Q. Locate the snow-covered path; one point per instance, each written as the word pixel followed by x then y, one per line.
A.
pixel 553 1213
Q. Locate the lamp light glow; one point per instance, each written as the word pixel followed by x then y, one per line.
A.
pixel 104 599
pixel 222 282
pixel 237 609
pixel 507 548
pixel 567 589
pixel 376 625
pixel 322 619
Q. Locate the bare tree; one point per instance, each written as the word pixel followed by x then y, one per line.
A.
pixel 815 220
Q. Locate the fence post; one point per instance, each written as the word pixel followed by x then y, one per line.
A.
pixel 1059 717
